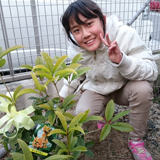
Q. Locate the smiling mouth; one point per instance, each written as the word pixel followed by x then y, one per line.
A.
pixel 90 41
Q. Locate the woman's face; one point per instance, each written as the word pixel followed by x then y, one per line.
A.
pixel 87 35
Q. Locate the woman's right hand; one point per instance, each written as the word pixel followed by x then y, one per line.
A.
pixel 114 52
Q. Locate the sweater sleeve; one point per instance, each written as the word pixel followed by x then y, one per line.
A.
pixel 137 63
pixel 67 88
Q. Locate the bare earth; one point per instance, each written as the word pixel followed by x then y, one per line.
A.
pixel 114 147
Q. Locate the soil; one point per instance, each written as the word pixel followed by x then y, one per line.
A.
pixel 114 147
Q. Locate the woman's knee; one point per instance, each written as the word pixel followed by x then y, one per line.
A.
pixel 92 101
pixel 143 89
pixel 82 108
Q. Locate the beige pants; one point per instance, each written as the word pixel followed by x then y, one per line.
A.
pixel 138 95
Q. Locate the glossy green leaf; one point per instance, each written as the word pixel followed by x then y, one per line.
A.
pixel 70 136
pixel 62 151
pixel 55 131
pixel 68 116
pixel 73 143
pixel 7 97
pixel 43 68
pixel 42 74
pixel 119 115
pixel 39 61
pixel 89 144
pixel 5 145
pixel 63 65
pixel 9 108
pixel 38 119
pixel 58 109
pixel 109 110
pixel 17 156
pixel 93 118
pixel 123 127
pixel 80 141
pixel 85 116
pixel 44 106
pixel 89 153
pixel 75 120
pixel 64 72
pixel 26 136
pixel 62 119
pixel 59 63
pixel 74 66
pixel 8 50
pixel 25 91
pixel 75 155
pixel 16 92
pixel 49 81
pixel 2 62
pixel 78 128
pixel 48 60
pixel 13 141
pixel 36 82
pixel 58 157
pixel 68 99
pixel 105 131
pixel 50 103
pixel 79 149
pixel 27 66
pixel 52 118
pixel 70 105
pixel 77 58
pixel 59 143
pixel 27 153
pixel 80 72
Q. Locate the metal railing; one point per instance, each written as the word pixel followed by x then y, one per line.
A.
pixel 36 25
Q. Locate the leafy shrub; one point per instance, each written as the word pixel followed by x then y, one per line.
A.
pixel 68 128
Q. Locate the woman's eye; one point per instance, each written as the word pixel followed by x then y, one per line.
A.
pixel 76 30
pixel 89 23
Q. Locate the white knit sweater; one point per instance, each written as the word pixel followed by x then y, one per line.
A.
pixel 105 77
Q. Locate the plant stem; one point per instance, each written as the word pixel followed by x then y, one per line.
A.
pixel 41 93
pixel 6 87
pixel 57 89
pixel 68 143
pixel 90 132
pixel 41 81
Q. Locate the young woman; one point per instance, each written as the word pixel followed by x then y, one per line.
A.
pixel 122 68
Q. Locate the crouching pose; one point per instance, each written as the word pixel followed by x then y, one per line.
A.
pixel 122 68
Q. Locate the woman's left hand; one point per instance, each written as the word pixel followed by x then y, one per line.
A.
pixel 114 52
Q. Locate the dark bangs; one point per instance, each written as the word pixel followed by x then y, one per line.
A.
pixel 87 8
pixel 85 12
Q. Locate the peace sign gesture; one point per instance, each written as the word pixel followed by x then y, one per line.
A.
pixel 114 52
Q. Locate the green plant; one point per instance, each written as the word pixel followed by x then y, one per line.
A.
pixel 5 52
pixel 68 128
pixel 109 121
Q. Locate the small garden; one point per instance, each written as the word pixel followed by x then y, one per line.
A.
pixel 48 130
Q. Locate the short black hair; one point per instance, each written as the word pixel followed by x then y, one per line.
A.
pixel 86 8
